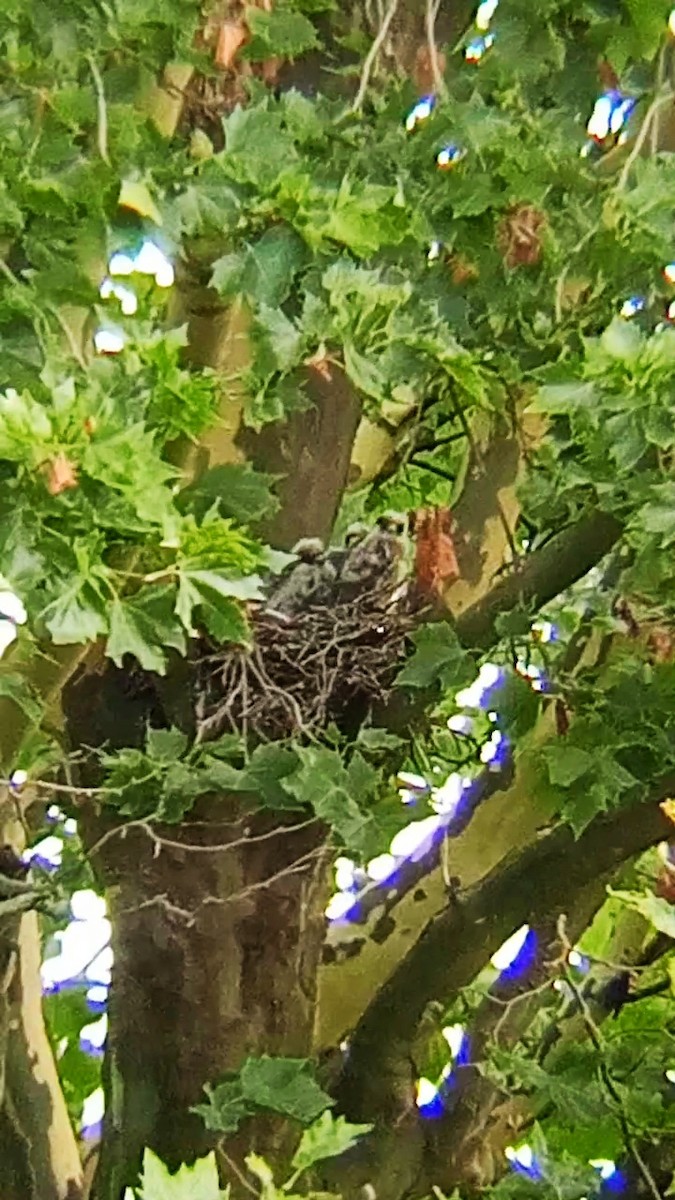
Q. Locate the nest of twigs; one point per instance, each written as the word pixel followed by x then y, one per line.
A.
pixel 323 665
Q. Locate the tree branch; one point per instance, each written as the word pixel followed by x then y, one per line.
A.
pixel 541 576
pixel 455 946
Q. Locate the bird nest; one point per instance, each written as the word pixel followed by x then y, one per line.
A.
pixel 325 664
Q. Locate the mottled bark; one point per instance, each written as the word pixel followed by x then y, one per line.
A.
pixel 216 957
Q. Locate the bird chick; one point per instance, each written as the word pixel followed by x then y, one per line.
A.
pixel 307 582
pixel 337 555
pixel 372 562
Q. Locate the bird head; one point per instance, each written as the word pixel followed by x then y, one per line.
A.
pixel 308 549
pixel 394 523
pixel 356 533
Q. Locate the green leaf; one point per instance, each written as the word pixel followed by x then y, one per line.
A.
pixel 198 1182
pixel 517 704
pixel 364 373
pixel 373 740
pixel 76 616
pixel 438 658
pixel 215 593
pixel 286 1085
pixel 565 397
pixel 264 271
pixel 257 149
pixel 336 793
pixel 166 745
pixel 280 340
pixel 13 687
pixel 328 1137
pixel 136 196
pixel 237 489
pixel 281 33
pixel 658 911
pixel 263 776
pixel 567 763
pixel 131 632
pixel 226 1107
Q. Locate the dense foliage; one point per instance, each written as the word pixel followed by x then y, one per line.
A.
pixel 475 265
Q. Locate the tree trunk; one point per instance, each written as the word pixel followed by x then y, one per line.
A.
pixel 217 935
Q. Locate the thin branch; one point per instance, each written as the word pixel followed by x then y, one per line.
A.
pixel 371 57
pixel 430 16
pixel 161 842
pixel 102 131
pixel 650 115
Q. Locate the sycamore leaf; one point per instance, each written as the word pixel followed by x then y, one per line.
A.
pixel 13 687
pixel 328 1137
pixel 76 616
pixel 238 490
pixel 131 632
pixel 166 745
pixel 438 657
pixel 226 1107
pixel 263 776
pixel 336 793
pixel 286 1085
pixel 198 1182
pixel 215 593
pixel 658 911
pixel 279 33
pixel 257 149
pixel 136 196
pixel 567 763
pixel 264 271
pixel 281 341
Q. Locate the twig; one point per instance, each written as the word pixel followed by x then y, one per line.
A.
pixel 297 868
pixel 641 138
pixel 102 132
pixel 220 1148
pixel 431 13
pixel 371 56
pixel 75 350
pixel 610 1086
pixel 192 847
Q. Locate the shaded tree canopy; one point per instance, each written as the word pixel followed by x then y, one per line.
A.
pixel 337 513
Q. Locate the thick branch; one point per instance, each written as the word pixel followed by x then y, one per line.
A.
pixel 543 575
pixel 458 943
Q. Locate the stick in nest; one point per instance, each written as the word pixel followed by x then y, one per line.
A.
pixel 301 674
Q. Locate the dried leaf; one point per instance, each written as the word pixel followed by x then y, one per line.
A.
pixel 231 37
pixel 61 475
pixel 520 235
pixel 436 563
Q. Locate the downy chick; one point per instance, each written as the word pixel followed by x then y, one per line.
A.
pixel 307 582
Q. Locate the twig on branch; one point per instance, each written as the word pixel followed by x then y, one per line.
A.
pixel 371 57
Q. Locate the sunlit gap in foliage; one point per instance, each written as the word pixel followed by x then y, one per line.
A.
pixel 606 126
pixel 12 612
pixel 448 798
pixel 82 957
pixel 148 260
pixel 514 958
